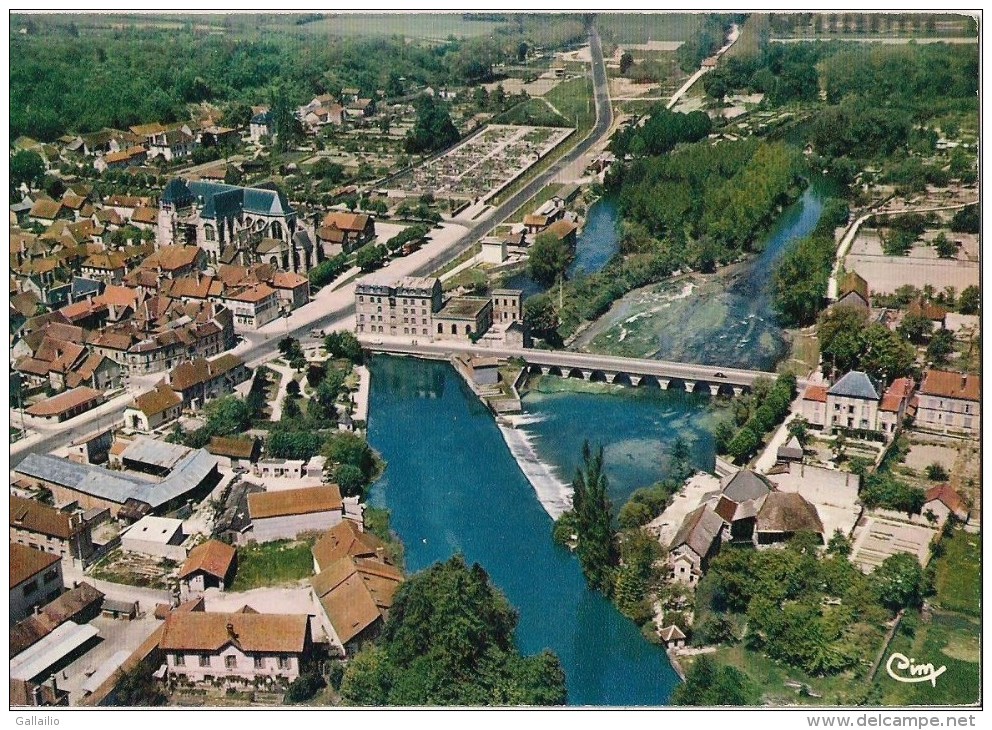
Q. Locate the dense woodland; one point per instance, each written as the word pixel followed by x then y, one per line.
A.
pixel 69 78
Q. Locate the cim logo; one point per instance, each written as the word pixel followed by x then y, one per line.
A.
pixel 917 672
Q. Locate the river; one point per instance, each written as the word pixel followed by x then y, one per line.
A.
pixel 725 319
pixel 594 247
pixel 453 486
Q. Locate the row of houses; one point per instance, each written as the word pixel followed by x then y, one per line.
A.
pixel 946 402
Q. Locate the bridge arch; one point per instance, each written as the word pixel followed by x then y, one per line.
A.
pixel 622 379
pixel 650 381
pixel 598 376
pixel 575 373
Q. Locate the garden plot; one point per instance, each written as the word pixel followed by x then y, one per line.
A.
pixel 481 165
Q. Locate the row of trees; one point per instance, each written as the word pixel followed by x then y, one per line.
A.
pixel 756 415
pixel 799 282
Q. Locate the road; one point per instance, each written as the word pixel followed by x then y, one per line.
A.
pixel 332 310
pixel 731 39
pixel 567 360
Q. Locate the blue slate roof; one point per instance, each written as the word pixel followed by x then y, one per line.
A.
pixel 118 486
pixel 82 287
pixel 263 118
pixel 856 384
pixel 177 193
pixel 223 201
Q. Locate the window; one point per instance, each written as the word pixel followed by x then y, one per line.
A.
pixel 231 661
pixel 285 662
pixel 209 233
pixel 361 300
pixel 259 662
pixel 204 660
pixel 49 576
pixel 30 587
pixel 180 660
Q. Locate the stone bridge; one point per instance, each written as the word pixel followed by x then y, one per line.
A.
pixel 635 372
pixel 639 372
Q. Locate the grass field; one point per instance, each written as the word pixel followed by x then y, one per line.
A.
pixel 574 100
pixel 959 577
pixel 272 564
pixel 428 26
pixel 949 640
pixel 749 42
pixel 772 677
pixel 644 27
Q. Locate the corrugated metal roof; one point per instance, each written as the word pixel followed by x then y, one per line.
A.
pixel 119 487
pixel 154 452
pixel 65 639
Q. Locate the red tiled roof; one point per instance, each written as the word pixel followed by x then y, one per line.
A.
pixel 948 384
pixel 816 393
pixel 65 401
pixel 212 557
pixel 944 493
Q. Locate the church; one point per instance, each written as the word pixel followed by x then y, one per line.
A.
pixel 235 225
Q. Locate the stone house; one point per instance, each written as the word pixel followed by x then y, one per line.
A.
pixel 45 528
pixel 694 545
pixel 285 514
pixel 209 565
pixel 235 647
pixel 950 402
pixel 154 408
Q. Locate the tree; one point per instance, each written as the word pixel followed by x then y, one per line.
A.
pixel 946 248
pixel 941 345
pixel 344 447
pixel 709 685
pixel 449 640
pixel 344 344
pixel 549 258
pixel 966 220
pixel 839 544
pixel 680 461
pixel 936 472
pixel 799 428
pixel 433 129
pixel 899 581
pixel 743 445
pixel 227 415
pixel 350 478
pixel 970 300
pixel 371 257
pixel 916 328
pixel 594 521
pixel 541 318
pixel 626 61
pixel 26 167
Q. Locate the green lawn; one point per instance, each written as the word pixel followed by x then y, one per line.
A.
pixel 959 577
pixel 574 99
pixel 771 676
pixel 429 26
pixel 949 640
pixel 272 564
pixel 644 27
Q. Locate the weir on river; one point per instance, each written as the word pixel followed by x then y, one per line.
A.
pixel 453 485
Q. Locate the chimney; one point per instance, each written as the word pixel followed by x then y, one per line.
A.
pixel 964 381
pixel 231 632
pixel 36 695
